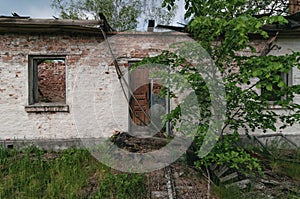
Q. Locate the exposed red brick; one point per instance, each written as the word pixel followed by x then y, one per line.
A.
pixel 51 82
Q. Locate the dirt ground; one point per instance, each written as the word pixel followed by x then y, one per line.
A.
pixel 186 181
pixel 189 183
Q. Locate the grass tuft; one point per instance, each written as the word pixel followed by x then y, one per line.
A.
pixel 72 173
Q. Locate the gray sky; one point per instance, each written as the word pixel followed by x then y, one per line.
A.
pixel 42 9
pixel 32 8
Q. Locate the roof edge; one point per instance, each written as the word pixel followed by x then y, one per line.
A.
pixel 37 21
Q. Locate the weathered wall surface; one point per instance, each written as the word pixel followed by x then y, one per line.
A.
pixel 286 44
pixel 97 104
pixel 15 122
pixel 93 93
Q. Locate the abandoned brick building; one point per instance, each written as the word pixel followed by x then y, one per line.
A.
pixel 52 68
pixel 57 76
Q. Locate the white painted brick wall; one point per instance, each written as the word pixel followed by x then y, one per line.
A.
pixel 89 89
pixel 96 101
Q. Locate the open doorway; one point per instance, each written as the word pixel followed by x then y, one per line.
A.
pixel 148 104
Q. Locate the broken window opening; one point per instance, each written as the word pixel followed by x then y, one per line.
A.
pixel 274 95
pixel 47 80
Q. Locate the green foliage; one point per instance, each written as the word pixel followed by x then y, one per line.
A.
pixel 72 173
pixel 122 15
pixel 283 162
pixel 282 159
pixel 236 193
pixel 258 72
pixel 229 152
pixel 124 186
pixel 232 8
pixel 223 28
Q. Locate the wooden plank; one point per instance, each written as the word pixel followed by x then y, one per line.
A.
pixel 213 167
pixel 229 177
pixel 241 184
pixel 222 171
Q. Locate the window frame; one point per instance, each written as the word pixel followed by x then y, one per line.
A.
pixel 33 104
pixel 287 78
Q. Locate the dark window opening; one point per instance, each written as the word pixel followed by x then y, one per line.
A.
pixel 275 94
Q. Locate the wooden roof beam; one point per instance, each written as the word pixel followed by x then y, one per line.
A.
pixel 30 21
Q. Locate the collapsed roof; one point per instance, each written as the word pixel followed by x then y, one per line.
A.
pixel 32 25
pixel 293 23
pixel 293 26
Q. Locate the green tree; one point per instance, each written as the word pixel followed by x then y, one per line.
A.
pixel 121 14
pixel 152 9
pixel 223 27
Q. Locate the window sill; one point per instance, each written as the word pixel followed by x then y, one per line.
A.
pixel 47 107
pixel 277 107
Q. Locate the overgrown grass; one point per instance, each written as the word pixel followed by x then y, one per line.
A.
pixel 71 173
pixel 250 193
pixel 291 169
pixel 284 163
pixel 235 193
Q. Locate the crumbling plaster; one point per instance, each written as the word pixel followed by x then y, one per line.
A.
pixel 96 103
pixel 89 69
